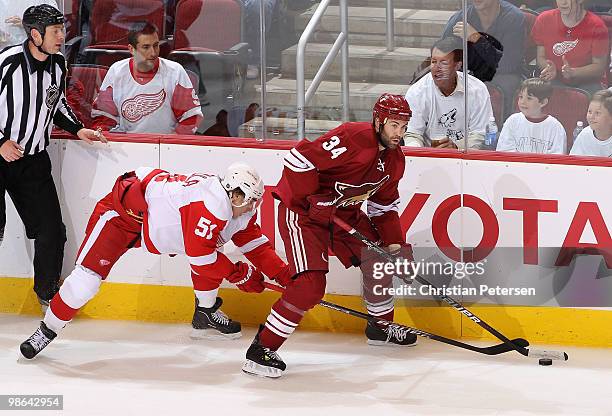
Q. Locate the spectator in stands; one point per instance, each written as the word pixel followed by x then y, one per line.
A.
pixel 490 23
pixel 250 12
pixel 146 93
pixel 437 103
pixel 11 29
pixel 531 130
pixel 596 139
pixel 220 126
pixel 573 46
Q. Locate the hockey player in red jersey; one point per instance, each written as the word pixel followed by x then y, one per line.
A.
pixel 335 174
pixel 193 214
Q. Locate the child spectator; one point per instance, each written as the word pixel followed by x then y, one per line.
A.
pixel 531 130
pixel 596 139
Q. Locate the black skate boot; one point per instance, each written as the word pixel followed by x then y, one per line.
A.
pixel 262 361
pixel 392 335
pixel 212 323
pixel 37 342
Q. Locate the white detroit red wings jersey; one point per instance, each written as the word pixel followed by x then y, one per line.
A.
pixel 191 214
pixel 156 102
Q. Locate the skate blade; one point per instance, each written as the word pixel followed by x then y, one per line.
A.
pixel 254 369
pixel 212 335
pixel 377 343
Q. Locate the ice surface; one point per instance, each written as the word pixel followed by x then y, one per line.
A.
pixel 129 368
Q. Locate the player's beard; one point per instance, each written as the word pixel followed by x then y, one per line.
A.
pixel 386 141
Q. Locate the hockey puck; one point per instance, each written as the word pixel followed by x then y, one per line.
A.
pixel 545 361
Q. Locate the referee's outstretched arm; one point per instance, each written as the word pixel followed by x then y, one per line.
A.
pixel 66 119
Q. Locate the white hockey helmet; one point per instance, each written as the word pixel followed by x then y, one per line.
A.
pixel 245 178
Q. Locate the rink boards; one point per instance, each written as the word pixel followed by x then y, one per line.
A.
pixel 512 202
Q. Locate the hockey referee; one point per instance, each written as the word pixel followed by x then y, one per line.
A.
pixel 32 99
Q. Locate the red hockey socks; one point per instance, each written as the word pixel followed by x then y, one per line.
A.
pixel 305 292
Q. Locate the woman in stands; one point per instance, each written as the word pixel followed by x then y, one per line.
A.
pixel 573 46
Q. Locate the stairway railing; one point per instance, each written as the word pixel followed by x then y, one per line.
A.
pixel 390 26
pixel 341 44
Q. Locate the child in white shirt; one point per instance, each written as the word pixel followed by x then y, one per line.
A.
pixel 596 139
pixel 532 130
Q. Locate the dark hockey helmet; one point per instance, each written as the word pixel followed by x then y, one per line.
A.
pixel 391 106
pixel 39 17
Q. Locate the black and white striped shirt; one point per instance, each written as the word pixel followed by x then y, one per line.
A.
pixel 32 98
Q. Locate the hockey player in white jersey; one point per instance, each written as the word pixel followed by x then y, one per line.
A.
pixel 146 93
pixel 193 214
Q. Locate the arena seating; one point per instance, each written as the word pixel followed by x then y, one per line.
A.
pixel 110 21
pixel 208 37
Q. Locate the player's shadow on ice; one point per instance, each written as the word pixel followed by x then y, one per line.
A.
pixel 173 372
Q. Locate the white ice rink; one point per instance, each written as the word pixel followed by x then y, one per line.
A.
pixel 116 368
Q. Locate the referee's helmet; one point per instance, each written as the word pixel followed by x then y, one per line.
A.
pixel 39 17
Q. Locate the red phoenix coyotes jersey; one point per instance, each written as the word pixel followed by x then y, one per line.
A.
pixel 347 165
pixel 191 214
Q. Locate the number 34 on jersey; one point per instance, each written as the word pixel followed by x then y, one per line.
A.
pixel 332 146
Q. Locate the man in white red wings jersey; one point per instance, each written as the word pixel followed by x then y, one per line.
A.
pixel 193 214
pixel 336 173
pixel 146 93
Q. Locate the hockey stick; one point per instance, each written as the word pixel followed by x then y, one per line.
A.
pixel 553 355
pixel 492 350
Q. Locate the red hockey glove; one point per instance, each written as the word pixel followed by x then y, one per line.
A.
pixel 321 208
pixel 247 278
pixel 284 278
pixel 403 250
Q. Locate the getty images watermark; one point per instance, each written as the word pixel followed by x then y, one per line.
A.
pixel 407 271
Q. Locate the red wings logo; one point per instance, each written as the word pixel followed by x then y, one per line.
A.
pixel 564 47
pixel 134 109
pixel 355 194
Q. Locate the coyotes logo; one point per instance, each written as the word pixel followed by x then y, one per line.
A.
pixel 562 48
pixel 134 109
pixel 355 194
pixel 448 119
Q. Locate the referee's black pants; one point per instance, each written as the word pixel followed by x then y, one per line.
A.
pixel 29 183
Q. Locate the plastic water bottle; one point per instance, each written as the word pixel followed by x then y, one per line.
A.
pixel 491 134
pixel 578 129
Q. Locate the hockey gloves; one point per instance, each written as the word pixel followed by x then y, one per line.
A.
pixel 321 208
pixel 247 278
pixel 284 278
pixel 403 250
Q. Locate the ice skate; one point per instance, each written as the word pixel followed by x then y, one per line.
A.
pixel 390 335
pixel 37 341
pixel 262 361
pixel 212 323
